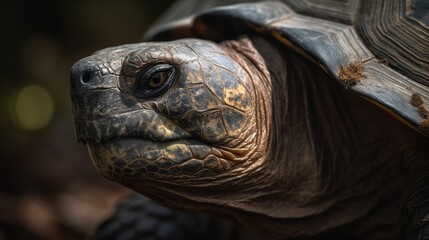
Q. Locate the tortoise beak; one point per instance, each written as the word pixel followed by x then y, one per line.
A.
pixel 102 112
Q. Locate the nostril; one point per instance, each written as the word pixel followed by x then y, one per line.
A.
pixel 86 77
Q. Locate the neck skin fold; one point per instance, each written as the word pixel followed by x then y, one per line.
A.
pixel 334 158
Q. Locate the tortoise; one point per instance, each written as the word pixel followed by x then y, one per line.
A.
pixel 300 119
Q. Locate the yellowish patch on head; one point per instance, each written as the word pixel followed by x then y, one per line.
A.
pixel 237 97
pixel 177 152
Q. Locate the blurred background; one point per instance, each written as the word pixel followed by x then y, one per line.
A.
pixel 48 186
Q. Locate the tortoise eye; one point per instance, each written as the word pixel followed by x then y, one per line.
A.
pixel 157 80
pixel 154 80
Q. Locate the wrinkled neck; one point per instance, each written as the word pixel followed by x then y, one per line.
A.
pixel 334 157
pixel 245 54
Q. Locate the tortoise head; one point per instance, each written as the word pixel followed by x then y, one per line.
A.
pixel 173 115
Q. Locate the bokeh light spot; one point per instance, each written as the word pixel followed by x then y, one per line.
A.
pixel 34 107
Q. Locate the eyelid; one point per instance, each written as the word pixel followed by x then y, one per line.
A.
pixel 140 88
pixel 156 69
pixel 153 70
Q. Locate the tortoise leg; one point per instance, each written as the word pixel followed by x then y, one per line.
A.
pixel 138 217
pixel 416 218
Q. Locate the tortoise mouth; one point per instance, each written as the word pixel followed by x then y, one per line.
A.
pixel 143 144
pixel 142 124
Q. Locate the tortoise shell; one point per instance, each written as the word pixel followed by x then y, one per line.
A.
pixel 378 49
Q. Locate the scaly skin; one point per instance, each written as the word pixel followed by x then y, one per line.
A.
pixel 208 127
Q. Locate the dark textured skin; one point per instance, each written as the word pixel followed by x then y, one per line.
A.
pixel 252 130
pixel 203 126
pixel 137 217
pixel 140 218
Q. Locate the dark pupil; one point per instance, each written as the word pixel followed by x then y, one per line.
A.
pixel 157 80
